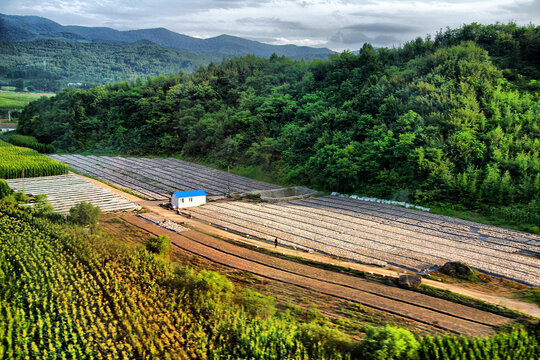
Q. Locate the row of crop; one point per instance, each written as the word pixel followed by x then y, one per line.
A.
pixel 517 344
pixel 79 303
pixel 67 294
pixel 30 142
pixel 17 162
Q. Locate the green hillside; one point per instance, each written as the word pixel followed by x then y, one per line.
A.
pixel 50 65
pixel 27 28
pixel 450 121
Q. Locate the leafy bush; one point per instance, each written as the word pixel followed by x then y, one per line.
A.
pixel 256 304
pixel 160 245
pixel 84 214
pixel 388 343
pixel 5 190
pixel 42 205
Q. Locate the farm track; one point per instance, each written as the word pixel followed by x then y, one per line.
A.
pixel 157 178
pixel 366 232
pixel 411 305
pixel 350 229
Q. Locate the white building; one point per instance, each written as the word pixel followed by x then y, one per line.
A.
pixel 184 199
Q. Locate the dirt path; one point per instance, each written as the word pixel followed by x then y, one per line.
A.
pixel 440 313
pixel 514 304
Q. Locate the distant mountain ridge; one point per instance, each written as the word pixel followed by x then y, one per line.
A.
pixel 28 28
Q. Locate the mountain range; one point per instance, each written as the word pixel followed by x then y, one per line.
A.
pixel 29 28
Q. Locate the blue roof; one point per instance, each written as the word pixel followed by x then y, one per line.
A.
pixel 191 193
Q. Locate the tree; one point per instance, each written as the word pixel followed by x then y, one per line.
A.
pixel 19 84
pixel 5 190
pixel 160 244
pixel 388 343
pixel 84 214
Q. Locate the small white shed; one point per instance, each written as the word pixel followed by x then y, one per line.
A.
pixel 184 199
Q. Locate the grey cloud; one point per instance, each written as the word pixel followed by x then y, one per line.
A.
pixel 382 27
pixel 272 22
pixel 531 7
pixel 338 23
pixel 349 37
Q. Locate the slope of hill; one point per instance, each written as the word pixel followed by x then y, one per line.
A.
pixel 429 123
pixel 52 64
pixel 26 28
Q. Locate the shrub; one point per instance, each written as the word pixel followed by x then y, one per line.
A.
pixel 5 190
pixel 388 343
pixel 256 304
pixel 84 214
pixel 160 245
pixel 42 205
pixel 322 341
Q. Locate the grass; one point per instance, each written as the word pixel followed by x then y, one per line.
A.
pixel 14 100
pixel 468 301
pixel 252 172
pixel 424 289
pixel 493 220
pixel 531 295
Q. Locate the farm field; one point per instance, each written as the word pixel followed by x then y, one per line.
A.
pixel 158 178
pixel 382 235
pixel 10 100
pixel 17 159
pixel 65 191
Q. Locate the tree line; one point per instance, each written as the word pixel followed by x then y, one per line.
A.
pixel 453 119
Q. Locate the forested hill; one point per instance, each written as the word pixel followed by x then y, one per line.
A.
pixel 27 28
pixel 50 65
pixel 453 119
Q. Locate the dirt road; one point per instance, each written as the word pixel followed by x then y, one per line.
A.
pixel 436 312
pixel 515 304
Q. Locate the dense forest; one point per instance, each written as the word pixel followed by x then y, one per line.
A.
pixel 452 119
pixel 50 65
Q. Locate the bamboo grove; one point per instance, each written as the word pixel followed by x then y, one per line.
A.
pixel 67 294
pixel 16 162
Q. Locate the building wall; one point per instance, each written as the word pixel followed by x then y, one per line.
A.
pixel 188 202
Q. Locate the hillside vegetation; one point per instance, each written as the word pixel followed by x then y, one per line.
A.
pixel 28 28
pixel 50 65
pixel 449 120
pixel 67 293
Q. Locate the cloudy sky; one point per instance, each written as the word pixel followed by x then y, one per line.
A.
pixel 336 24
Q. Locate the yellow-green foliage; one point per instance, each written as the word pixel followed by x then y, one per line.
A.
pixel 14 159
pixel 30 142
pixel 517 344
pixel 66 294
pixel 15 100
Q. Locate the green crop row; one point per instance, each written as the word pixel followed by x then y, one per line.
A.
pixel 31 142
pixel 17 162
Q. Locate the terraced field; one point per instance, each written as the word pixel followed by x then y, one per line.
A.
pixel 158 178
pixel 382 234
pixel 65 191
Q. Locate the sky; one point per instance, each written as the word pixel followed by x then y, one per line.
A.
pixel 336 24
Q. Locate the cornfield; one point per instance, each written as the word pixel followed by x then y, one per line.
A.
pixel 14 160
pixel 517 344
pixel 31 142
pixel 61 298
